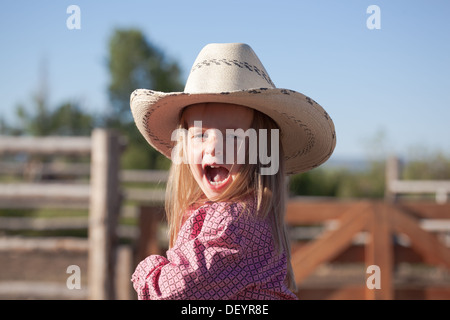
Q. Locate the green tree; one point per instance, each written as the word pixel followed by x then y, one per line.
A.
pixel 66 120
pixel 339 182
pixel 427 166
pixel 317 182
pixel 134 62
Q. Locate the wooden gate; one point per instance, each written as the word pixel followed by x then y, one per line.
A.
pixel 381 222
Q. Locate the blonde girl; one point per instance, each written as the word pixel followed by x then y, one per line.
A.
pixel 226 216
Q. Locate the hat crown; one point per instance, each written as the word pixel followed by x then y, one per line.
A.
pixel 226 67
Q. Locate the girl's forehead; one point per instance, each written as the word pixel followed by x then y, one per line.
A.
pixel 219 115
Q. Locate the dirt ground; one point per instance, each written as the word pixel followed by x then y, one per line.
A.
pixel 47 271
pixel 48 274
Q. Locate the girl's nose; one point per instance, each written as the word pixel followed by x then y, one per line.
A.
pixel 213 144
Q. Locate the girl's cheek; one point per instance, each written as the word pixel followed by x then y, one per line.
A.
pixel 195 157
pixel 194 153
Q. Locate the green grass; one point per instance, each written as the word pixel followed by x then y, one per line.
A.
pixel 43 213
pixel 78 233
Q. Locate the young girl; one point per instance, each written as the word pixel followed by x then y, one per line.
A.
pixel 226 216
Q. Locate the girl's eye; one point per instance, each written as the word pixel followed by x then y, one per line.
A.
pixel 199 136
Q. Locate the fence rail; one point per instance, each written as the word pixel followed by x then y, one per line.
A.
pixel 35 195
pixel 440 188
pixel 45 145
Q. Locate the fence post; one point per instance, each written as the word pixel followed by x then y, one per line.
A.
pixel 148 243
pixel 379 252
pixel 103 214
pixel 392 174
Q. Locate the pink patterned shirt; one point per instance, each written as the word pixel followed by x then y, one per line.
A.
pixel 218 254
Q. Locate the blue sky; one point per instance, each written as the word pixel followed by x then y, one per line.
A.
pixel 387 90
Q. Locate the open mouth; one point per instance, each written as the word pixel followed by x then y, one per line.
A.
pixel 216 175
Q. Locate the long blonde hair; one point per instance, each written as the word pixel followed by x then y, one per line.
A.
pixel 183 192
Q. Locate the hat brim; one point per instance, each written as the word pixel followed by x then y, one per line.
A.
pixel 307 132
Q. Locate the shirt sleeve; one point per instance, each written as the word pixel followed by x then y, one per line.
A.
pixel 215 256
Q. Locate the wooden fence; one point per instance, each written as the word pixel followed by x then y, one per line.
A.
pixel 95 186
pixel 368 233
pixel 383 233
pixel 362 233
pixel 101 194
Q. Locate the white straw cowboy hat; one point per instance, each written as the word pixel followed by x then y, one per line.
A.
pixel 232 73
